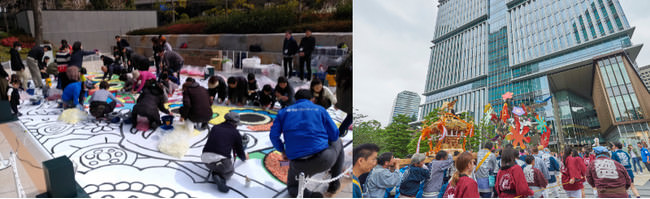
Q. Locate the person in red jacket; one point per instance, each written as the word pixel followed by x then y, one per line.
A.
pixel 461 185
pixel 608 176
pixel 511 181
pixel 534 177
pixel 573 172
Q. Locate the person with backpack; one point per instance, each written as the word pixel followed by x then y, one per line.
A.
pixel 437 169
pixel 623 157
pixel 511 181
pixel 553 167
pixel 461 185
pixel 414 176
pixel 485 165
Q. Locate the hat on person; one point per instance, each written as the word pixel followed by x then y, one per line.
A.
pixel 600 150
pixel 418 157
pixel 232 117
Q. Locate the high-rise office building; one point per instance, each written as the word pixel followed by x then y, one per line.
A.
pixel 572 59
pixel 645 76
pixel 406 103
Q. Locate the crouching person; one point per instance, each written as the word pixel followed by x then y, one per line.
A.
pixel 98 102
pixel 222 139
pixel 311 142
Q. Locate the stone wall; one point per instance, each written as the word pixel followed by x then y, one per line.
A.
pixel 203 47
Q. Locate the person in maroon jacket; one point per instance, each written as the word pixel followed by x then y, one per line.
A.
pixel 608 176
pixel 461 185
pixel 573 172
pixel 510 181
pixel 534 177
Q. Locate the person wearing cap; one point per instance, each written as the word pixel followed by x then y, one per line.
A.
pixel 34 58
pixel 415 174
pixel 17 63
pixel 609 177
pixel 196 104
pixel 223 139
pixel 311 142
pixel 623 157
pixel 553 167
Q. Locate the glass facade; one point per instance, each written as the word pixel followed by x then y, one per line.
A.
pixel 516 47
pixel 577 117
pixel 624 102
pixel 406 103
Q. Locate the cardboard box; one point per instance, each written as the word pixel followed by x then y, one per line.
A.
pixel 216 62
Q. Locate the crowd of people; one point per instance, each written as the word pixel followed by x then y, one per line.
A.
pixel 504 173
pixel 310 139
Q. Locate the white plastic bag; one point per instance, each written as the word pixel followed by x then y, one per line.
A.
pixel 72 115
pixel 177 143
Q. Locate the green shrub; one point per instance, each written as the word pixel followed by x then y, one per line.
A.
pixel 343 11
pixel 265 20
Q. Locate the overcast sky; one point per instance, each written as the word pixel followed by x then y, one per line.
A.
pixel 392 40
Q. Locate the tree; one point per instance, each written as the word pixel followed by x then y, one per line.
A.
pixel 397 136
pixel 5 4
pixel 368 132
pixel 38 21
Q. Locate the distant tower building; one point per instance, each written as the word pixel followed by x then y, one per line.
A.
pixel 406 103
pixel 644 72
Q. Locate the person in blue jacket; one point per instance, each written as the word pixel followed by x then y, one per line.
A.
pixel 72 95
pixel 644 154
pixel 311 142
pixel 553 168
pixel 623 157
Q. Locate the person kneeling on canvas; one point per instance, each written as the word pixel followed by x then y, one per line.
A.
pixel 73 95
pixel 150 101
pixel 222 139
pixel 196 104
pixel 98 105
pixel 311 142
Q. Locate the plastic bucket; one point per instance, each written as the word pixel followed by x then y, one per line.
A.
pixel 30 91
pixel 167 120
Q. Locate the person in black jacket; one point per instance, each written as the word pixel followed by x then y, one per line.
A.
pixel 288 50
pixel 14 94
pixel 110 67
pixel 222 139
pixel 217 86
pixel 196 104
pixel 237 91
pixel 307 45
pixel 265 97
pixel 284 93
pixel 344 93
pixel 252 87
pixel 34 59
pixel 4 84
pixel 17 63
pixel 150 101
pixel 125 51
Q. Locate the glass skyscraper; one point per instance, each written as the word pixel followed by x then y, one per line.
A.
pixel 569 58
pixel 406 103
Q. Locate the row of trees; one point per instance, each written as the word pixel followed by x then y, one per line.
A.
pixel 401 139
